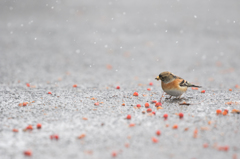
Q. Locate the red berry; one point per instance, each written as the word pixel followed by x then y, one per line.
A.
pixel 131 125
pixel 129 117
pixel 139 105
pixel 225 148
pixel 218 111
pixel 114 154
pixel 24 103
pixel 153 113
pixel 158 132
pixel 149 89
pixel 155 140
pixel 205 145
pixel 15 130
pixel 49 92
pixel 154 101
pixel 146 105
pixel 181 115
pixel 28 153
pixel 165 116
pixel 175 126
pixel 158 104
pixel 39 126
pixel 118 87
pixel 97 104
pixel 56 137
pixel 28 85
pixel 203 91
pixel 29 127
pixel 135 94
pixel 226 110
pixel 150 83
pixel 74 85
pixel 149 110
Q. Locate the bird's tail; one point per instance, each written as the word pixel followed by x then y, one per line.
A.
pixel 192 85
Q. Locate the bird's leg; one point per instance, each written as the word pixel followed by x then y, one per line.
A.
pixel 161 97
pixel 169 97
pixel 179 97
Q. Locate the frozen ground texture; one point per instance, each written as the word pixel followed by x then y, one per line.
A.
pixel 101 44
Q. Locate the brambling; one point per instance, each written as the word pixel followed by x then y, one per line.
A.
pixel 174 85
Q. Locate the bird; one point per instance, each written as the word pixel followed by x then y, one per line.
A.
pixel 174 85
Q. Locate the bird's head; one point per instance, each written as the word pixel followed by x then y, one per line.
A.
pixel 165 77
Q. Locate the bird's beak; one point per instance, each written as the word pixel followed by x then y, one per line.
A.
pixel 157 78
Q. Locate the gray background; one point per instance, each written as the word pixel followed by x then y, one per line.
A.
pixel 55 44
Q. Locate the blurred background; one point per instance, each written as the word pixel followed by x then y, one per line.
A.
pixel 119 41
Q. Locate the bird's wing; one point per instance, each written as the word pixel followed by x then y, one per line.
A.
pixel 185 83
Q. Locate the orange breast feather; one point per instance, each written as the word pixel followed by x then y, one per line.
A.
pixel 173 85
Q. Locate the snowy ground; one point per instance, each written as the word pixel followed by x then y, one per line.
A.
pixel 99 45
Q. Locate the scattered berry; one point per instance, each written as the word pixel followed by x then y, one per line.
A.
pixel 158 132
pixel 149 89
pixel 218 111
pixel 195 133
pixel 28 153
pixel 56 137
pixel 205 145
pixel 230 89
pixel 49 92
pixel 181 115
pixel 203 91
pixel 135 94
pixel 118 87
pixel 146 105
pixel 226 110
pixel 24 103
pixel 27 84
pixel 153 113
pixel 123 104
pixel 165 116
pixel 128 117
pixel 39 126
pixel 150 83
pixel 29 127
pixel 15 130
pixel 149 110
pixel 81 136
pixel 175 126
pixel 224 113
pixel 154 101
pixel 97 104
pixel 155 140
pixel 139 105
pixel 223 148
pixel 131 125
pixel 114 154
pixel 127 145
pixel 74 85
pixel 194 88
pixel 158 104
